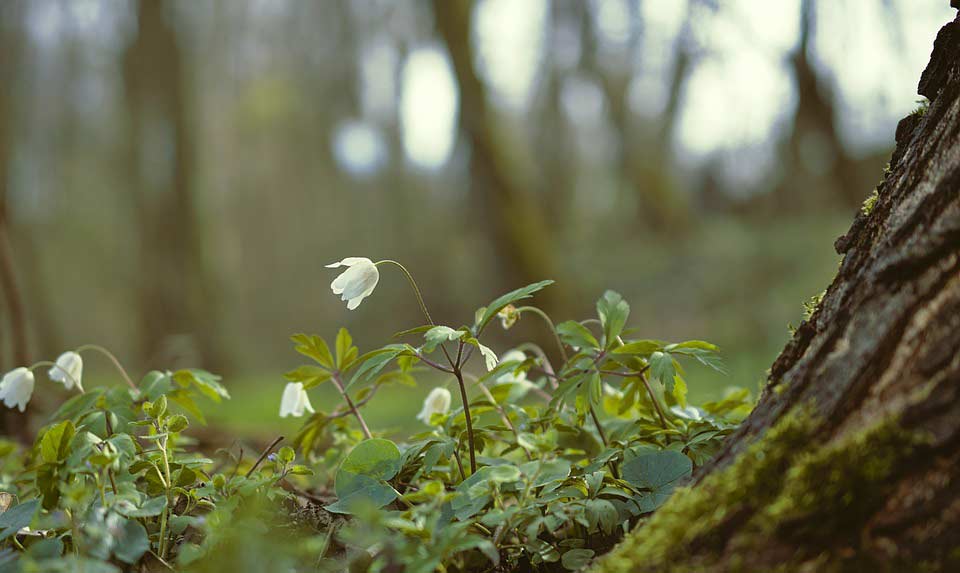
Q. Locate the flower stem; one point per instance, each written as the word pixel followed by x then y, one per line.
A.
pixel 164 516
pixel 553 329
pixel 466 413
pixel 413 283
pixel 112 358
pixel 263 456
pixel 353 408
pixel 653 398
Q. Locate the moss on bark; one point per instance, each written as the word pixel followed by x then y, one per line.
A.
pixel 786 489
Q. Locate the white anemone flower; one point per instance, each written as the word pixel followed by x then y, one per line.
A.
pixel 16 388
pixel 295 401
pixel 436 402
pixel 68 370
pixel 357 282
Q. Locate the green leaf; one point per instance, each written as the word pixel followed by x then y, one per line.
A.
pixel 662 368
pixel 377 458
pixel 77 406
pixel 309 376
pixel 657 473
pixel 312 346
pixel 55 444
pixel 131 542
pixel 490 359
pixel 577 335
pixel 376 360
pixel 511 297
pixel 613 312
pixel 362 474
pixel 576 559
pixel 17 517
pixel 438 335
pixel 364 491
pixel 346 351
pixel 642 348
pixel 150 508
pixel 207 383
pixel 680 391
pixel 417 330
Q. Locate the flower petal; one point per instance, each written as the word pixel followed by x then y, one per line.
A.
pixel 348 262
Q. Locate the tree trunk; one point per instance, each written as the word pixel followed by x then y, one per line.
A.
pixel 175 294
pixel 520 234
pixel 850 459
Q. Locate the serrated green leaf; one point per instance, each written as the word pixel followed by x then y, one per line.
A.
pixel 438 335
pixel 312 346
pixel 642 348
pixel 577 335
pixel 207 383
pixel 309 376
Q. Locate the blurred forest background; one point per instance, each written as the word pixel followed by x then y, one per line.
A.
pixel 174 174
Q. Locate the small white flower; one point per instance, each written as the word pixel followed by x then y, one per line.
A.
pixel 436 402
pixel 16 388
pixel 295 401
pixel 68 371
pixel 357 282
pixel 689 413
pixel 511 376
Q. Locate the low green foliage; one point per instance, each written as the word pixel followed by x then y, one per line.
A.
pixel 549 464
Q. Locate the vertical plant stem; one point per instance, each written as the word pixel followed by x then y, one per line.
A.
pixel 466 413
pixel 653 398
pixel 167 509
pixel 262 457
pixel 603 438
pixel 455 365
pixel 353 408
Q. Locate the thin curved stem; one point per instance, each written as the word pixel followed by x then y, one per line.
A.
pixel 353 408
pixel 503 413
pixel 112 358
pixel 653 398
pixel 553 329
pixel 454 365
pixel 61 369
pixel 548 367
pixel 413 283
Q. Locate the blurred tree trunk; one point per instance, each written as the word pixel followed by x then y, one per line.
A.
pixel 521 236
pixel 816 160
pixel 644 151
pixel 851 459
pixel 12 315
pixel 175 297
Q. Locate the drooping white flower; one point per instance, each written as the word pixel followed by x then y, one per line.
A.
pixel 16 388
pixel 357 282
pixel 294 401
pixel 68 370
pixel 436 402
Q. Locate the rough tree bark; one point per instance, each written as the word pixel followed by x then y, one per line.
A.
pixel 850 460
